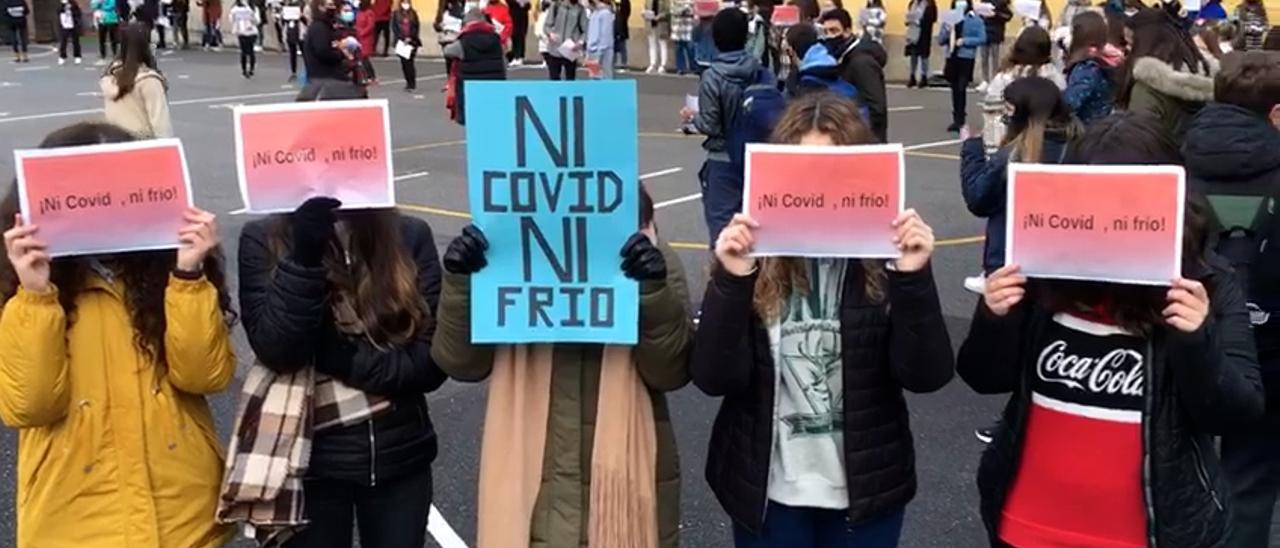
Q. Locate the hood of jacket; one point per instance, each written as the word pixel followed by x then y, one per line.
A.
pixel 739 67
pixel 856 46
pixel 1181 84
pixel 1229 142
pixel 819 62
pixel 110 88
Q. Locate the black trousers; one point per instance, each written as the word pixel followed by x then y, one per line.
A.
pixel 561 68
pixel 180 30
pixel 19 34
pixel 519 30
pixel 389 515
pixel 248 59
pixel 410 70
pixel 960 75
pixel 1251 464
pixel 107 32
pixel 382 30
pixel 294 45
pixel 161 31
pixel 66 36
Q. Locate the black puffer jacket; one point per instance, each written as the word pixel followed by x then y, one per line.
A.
pixel 1232 150
pixel 885 349
pixel 286 312
pixel 1198 385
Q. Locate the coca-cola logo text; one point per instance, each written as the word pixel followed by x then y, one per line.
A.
pixel 1118 372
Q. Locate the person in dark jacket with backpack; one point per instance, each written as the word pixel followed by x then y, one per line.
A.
pixel 477 55
pixel 720 96
pixel 812 445
pixel 1232 152
pixel 862 62
pixel 1116 390
pixel 818 70
pixel 352 295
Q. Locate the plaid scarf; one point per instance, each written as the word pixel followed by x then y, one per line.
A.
pixel 270 449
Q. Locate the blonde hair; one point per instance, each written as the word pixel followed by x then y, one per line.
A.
pixel 838 118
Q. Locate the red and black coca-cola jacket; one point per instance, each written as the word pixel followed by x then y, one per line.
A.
pixel 1199 385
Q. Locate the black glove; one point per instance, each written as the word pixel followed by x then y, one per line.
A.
pixel 466 252
pixel 642 261
pixel 313 230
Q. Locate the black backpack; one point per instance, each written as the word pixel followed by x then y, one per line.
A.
pixel 1244 228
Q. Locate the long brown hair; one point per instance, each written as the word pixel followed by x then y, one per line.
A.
pixel 837 118
pixel 374 271
pixel 135 54
pixel 1038 109
pixel 1033 49
pixel 1089 34
pixel 145 274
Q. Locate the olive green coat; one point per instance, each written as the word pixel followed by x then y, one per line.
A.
pixel 666 334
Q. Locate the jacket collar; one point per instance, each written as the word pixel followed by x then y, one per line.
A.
pixel 1181 84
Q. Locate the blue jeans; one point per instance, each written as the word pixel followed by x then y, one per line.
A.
pixel 684 56
pixel 721 195
pixel 797 527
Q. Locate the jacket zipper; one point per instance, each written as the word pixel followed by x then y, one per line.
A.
pixel 1203 473
pixel 373 456
pixel 1147 414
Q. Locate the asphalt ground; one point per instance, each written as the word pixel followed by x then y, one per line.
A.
pixel 429 161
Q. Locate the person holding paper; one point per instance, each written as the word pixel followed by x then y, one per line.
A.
pixel 1231 152
pixel 294 22
pixel 578 447
pixel 1116 391
pixel 566 30
pixel 600 40
pixel 448 24
pixel 105 363
pixel 69 22
pixel 338 305
pixel 963 40
pixel 244 25
pixel 995 15
pixel 811 447
pixel 404 27
pixel 133 89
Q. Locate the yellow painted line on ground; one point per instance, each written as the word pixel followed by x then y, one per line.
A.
pixel 436 211
pixel 935 155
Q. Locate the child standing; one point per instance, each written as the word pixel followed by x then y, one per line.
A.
pixel 68 30
pixel 600 40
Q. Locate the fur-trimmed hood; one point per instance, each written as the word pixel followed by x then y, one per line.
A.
pixel 1180 84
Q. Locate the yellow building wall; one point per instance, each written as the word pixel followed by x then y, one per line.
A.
pixel 898 9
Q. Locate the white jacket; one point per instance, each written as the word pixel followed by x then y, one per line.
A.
pixel 145 110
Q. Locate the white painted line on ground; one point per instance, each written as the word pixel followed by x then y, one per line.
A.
pixel 661 173
pixel 906 109
pixel 413 175
pixel 80 112
pixel 231 98
pixel 184 76
pixel 677 201
pixel 29 69
pixel 89 94
pixel 933 144
pixel 10 84
pixel 440 530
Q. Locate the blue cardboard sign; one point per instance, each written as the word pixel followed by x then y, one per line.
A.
pixel 552 176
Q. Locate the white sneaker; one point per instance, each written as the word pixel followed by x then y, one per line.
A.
pixel 257 48
pixel 61 61
pixel 78 60
pixel 976 284
pixel 652 69
pixel 100 62
pixel 982 87
pixel 662 70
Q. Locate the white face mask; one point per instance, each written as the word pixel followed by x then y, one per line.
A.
pixel 405 7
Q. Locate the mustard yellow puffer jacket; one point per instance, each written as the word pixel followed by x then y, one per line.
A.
pixel 113 451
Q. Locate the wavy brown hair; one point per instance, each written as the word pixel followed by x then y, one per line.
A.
pixel 145 274
pixel 374 271
pixel 837 118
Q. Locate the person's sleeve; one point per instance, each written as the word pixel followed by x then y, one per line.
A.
pixel 666 331
pixel 1145 100
pixel 722 354
pixel 920 357
pixel 398 369
pixel 34 371
pixel 1080 83
pixel 197 340
pixel 320 44
pixel 453 50
pixel 157 105
pixel 988 360
pixel 982 181
pixel 708 120
pixel 283 305
pixel 1216 367
pixel 452 348
pixel 867 75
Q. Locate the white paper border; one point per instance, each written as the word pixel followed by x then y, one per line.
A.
pixel 24 205
pixel 1069 169
pixel 852 150
pixel 239 111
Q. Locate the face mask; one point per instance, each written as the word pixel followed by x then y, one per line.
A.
pixel 404 7
pixel 347 17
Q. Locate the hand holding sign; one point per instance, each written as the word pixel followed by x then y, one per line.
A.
pixel 914 239
pixel 198 238
pixel 28 255
pixel 642 261
pixel 1005 289
pixel 313 229
pixel 466 252
pixel 733 247
pixel 1188 305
